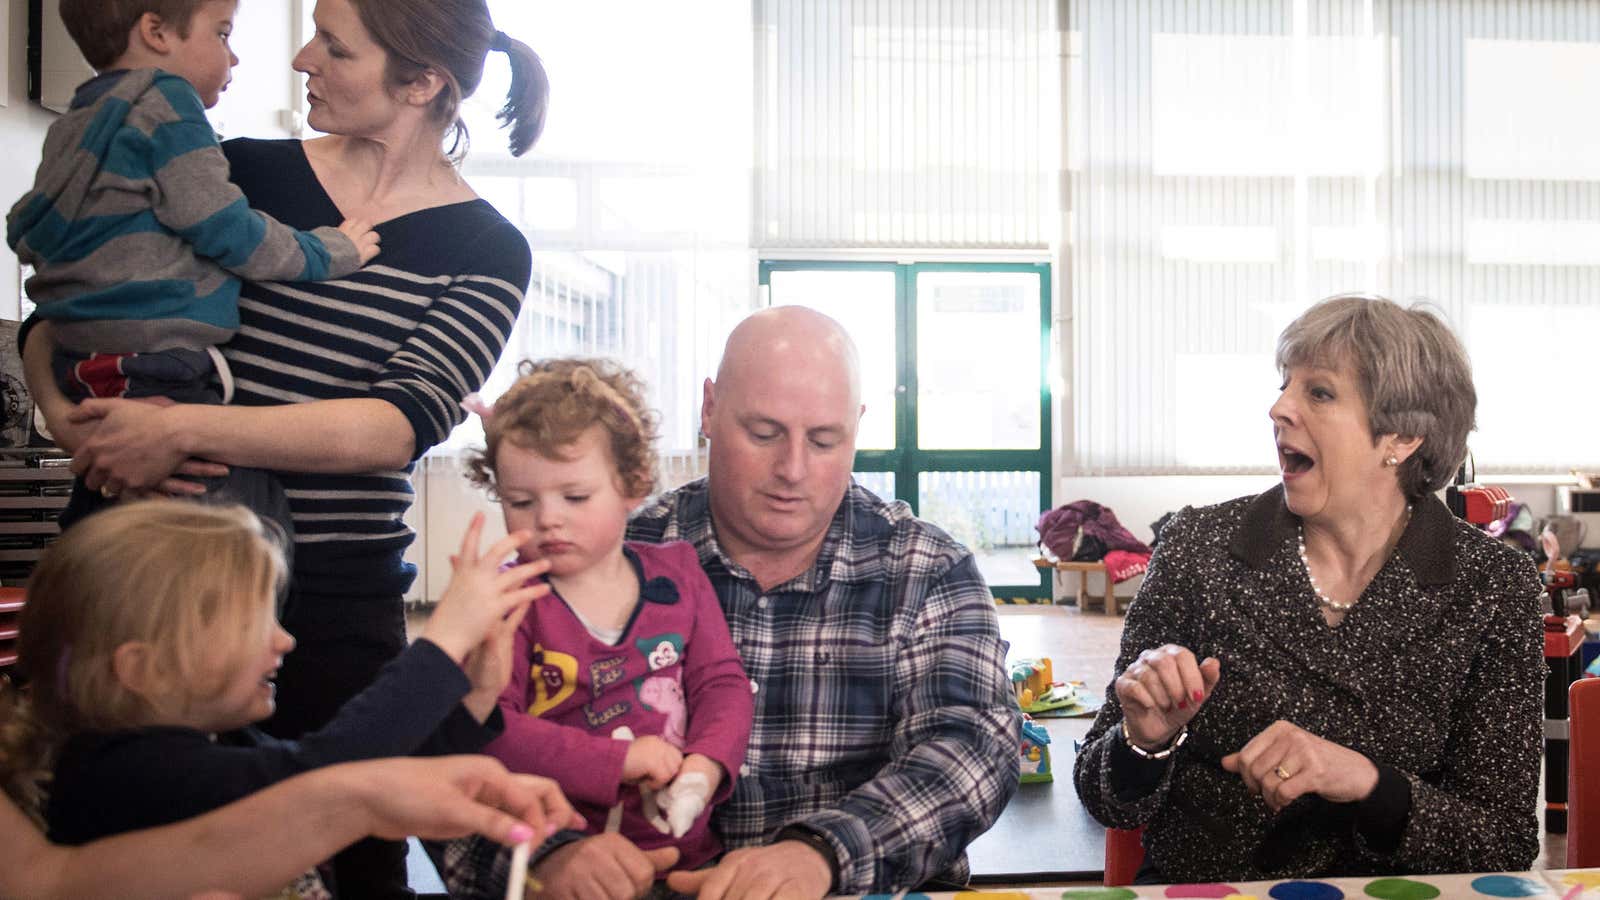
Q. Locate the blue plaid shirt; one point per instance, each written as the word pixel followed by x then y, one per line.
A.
pixel 884 719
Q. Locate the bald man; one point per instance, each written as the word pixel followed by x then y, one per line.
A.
pixel 885 735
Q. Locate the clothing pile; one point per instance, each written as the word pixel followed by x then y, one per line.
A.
pixel 1085 531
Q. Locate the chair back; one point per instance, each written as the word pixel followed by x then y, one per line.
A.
pixel 1124 855
pixel 11 600
pixel 1583 774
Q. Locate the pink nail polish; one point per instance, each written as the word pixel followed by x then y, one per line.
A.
pixel 1198 696
pixel 551 828
pixel 521 834
pixel 1182 705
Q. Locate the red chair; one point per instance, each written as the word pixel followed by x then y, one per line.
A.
pixel 1583 774
pixel 11 600
pixel 1124 855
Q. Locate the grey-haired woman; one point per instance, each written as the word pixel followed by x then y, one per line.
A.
pixel 1335 677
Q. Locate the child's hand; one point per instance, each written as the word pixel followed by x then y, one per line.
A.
pixel 480 595
pixel 651 761
pixel 360 233
pixel 488 666
pixel 686 797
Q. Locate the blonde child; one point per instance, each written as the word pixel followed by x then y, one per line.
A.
pixel 150 630
pixel 626 687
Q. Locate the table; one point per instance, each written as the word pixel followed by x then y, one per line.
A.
pixel 1044 833
pixel 1555 884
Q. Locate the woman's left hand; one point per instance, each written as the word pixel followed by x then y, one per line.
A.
pixel 134 446
pixel 1285 762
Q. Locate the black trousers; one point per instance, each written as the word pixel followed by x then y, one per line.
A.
pixel 341 642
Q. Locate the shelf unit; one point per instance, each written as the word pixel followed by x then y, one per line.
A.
pixel 35 484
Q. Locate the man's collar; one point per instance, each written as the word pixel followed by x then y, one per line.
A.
pixel 697 527
pixel 1428 544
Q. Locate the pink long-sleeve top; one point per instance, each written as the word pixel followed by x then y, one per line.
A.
pixel 674 673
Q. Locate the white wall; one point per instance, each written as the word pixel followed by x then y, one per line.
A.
pixel 264 88
pixel 22 128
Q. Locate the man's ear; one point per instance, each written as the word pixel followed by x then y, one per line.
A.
pixel 708 402
pixel 152 32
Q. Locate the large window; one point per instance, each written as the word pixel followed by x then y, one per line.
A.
pixel 954 359
pixel 1231 162
pixel 636 199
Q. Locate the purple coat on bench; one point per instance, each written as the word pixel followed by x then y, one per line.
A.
pixel 1058 529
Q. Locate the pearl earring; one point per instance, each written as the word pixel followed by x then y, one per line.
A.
pixel 1392 461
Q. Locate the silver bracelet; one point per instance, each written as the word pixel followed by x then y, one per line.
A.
pixel 1163 753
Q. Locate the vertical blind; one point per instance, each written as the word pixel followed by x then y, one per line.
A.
pixel 1231 161
pixel 906 124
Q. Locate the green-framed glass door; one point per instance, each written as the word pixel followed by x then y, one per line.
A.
pixel 955 379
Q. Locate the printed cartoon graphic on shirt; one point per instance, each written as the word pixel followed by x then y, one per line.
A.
pixel 603 673
pixel 555 677
pixel 662 650
pixel 663 693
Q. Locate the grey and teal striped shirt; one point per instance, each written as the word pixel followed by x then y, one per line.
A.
pixel 137 236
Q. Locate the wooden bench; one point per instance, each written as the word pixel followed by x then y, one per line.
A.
pixel 1110 603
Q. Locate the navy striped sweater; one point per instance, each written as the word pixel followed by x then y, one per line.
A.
pixel 420 327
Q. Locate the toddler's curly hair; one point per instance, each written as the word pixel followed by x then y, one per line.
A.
pixel 554 401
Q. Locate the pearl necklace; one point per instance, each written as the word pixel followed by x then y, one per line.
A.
pixel 1305 560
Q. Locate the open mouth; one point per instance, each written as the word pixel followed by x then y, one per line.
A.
pixel 1293 462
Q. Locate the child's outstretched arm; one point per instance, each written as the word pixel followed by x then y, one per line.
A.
pixel 481 595
pixel 488 666
pixel 196 199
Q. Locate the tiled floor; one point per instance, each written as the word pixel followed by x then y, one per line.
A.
pixel 1092 639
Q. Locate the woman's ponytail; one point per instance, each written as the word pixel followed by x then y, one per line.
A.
pixel 529 97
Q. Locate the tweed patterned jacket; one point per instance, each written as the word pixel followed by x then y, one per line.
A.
pixel 1437 675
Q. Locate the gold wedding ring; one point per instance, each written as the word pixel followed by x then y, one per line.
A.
pixel 1282 773
pixel 107 492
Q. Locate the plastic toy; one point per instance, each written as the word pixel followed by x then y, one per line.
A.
pixel 1039 694
pixel 1030 679
pixel 1034 758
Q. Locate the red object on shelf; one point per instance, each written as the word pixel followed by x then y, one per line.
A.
pixel 11 601
pixel 1562 636
pixel 1485 504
